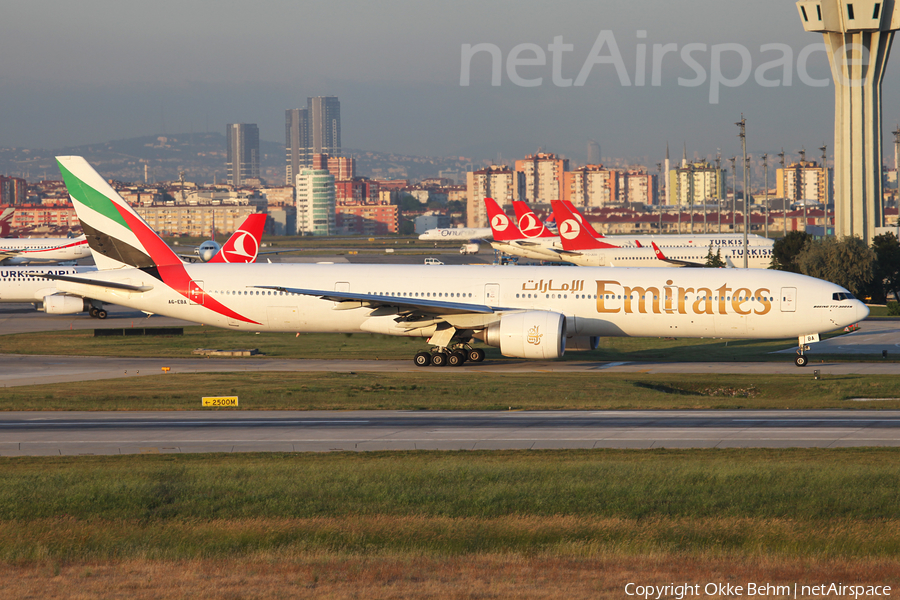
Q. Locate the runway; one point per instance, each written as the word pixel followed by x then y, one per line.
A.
pixel 109 433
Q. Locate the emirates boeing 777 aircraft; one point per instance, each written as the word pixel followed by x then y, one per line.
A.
pixel 528 312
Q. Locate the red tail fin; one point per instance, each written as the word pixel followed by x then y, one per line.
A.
pixel 6 221
pixel 501 225
pixel 529 224
pixel 572 233
pixel 581 219
pixel 658 252
pixel 243 245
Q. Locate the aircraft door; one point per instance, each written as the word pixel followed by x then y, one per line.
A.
pixel 492 294
pixel 196 295
pixel 788 299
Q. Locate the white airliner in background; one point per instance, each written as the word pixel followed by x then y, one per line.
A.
pixel 528 312
pixel 31 284
pixel 581 248
pixel 531 239
pixel 457 234
pixel 724 241
pixel 18 251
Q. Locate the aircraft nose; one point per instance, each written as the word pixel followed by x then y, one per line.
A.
pixel 862 311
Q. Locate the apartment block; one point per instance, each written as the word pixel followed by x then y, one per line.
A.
pixel 498 182
pixel 696 183
pixel 544 176
pixel 804 180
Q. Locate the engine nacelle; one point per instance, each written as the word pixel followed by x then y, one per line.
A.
pixel 531 334
pixel 61 304
pixel 582 343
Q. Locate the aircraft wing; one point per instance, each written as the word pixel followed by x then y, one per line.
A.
pixel 354 300
pixel 100 283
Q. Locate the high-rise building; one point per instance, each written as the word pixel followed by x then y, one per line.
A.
pixel 315 129
pixel 296 142
pixel 544 177
pixel 324 125
pixel 590 186
pixel 696 183
pixel 315 202
pixel 802 181
pixel 498 182
pixel 13 190
pixel 242 158
pixel 593 153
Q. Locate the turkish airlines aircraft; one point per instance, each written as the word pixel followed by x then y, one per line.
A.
pixel 31 284
pixel 528 312
pixel 510 239
pixel 582 249
pixel 724 241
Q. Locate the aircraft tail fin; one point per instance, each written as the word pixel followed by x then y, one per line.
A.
pixel 572 233
pixel 243 245
pixel 529 224
pixel 117 235
pixel 501 225
pixel 6 221
pixel 582 220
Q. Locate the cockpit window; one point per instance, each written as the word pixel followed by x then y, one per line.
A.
pixel 842 296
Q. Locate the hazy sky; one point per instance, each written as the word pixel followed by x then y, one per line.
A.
pixel 97 70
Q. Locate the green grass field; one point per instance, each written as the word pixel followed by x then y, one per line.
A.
pixel 361 346
pixel 460 390
pixel 813 503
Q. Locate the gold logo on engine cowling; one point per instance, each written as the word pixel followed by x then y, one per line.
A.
pixel 534 337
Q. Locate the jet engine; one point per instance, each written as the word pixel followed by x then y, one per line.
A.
pixel 61 304
pixel 582 343
pixel 531 334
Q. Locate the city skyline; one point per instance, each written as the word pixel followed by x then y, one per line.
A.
pixel 402 90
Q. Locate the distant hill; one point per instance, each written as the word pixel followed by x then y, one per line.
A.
pixel 202 157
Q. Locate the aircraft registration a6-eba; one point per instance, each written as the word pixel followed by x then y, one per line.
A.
pixel 528 312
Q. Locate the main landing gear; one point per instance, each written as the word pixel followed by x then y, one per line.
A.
pixel 455 357
pixel 97 313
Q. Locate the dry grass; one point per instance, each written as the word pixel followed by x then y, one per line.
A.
pixel 67 539
pixel 480 576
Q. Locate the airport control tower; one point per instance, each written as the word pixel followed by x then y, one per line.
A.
pixel 858 36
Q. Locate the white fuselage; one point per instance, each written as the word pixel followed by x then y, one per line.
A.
pixel 457 234
pixel 760 257
pixel 26 284
pixel 596 301
pixel 15 251
pixel 732 249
